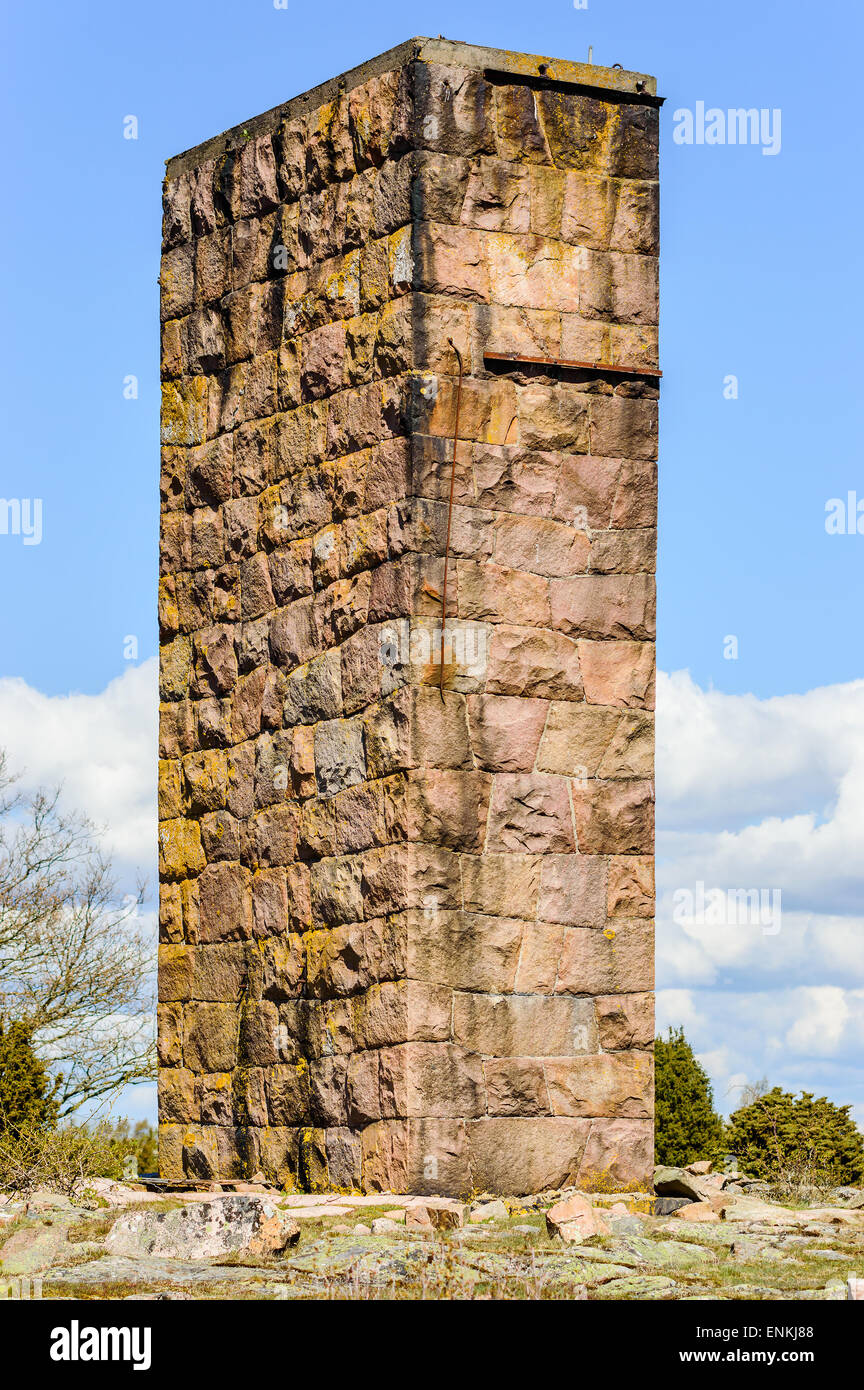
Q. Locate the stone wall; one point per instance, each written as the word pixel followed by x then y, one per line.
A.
pixel 407 931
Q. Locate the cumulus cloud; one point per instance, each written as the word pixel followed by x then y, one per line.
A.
pixel 726 761
pixel 764 795
pixel 751 794
pixel 101 749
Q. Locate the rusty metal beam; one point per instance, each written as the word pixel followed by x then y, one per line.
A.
pixel 577 366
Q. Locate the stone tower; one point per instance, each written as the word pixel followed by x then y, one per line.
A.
pixel 406 889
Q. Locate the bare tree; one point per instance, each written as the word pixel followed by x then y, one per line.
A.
pixel 75 965
pixel 753 1091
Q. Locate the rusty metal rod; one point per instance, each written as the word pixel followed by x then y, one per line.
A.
pixel 450 514
pixel 563 362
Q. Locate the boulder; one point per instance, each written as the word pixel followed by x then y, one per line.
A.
pixel 444 1213
pixel 677 1182
pixel 489 1211
pixel 699 1169
pixel 385 1226
pixel 204 1230
pixel 625 1224
pixel 575 1220
pixel 418 1219
pixel 851 1197
pixel 697 1211
pixel 855 1289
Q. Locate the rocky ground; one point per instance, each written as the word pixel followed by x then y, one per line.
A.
pixel 699 1236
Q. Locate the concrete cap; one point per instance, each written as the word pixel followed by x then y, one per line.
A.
pixel 449 52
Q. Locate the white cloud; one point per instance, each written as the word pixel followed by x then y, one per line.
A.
pixel 765 794
pixel 103 750
pixel 732 760
pixel 750 794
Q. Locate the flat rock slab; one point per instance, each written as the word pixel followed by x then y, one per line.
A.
pixel 121 1269
pixel 319 1212
pixel 754 1209
pixel 205 1230
pixel 342 1199
pixel 382 1261
pixel 639 1286
pixel 668 1254
pixel 33 1248
pixel 596 1253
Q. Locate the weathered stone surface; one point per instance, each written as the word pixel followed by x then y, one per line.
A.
pixel 614 817
pixel 523 1025
pixel 488 1211
pixel 618 1150
pixel 697 1211
pixel 575 1220
pixel 438 1214
pixel 406 901
pixel 505 731
pixel 618 1085
pixel 534 662
pixel 529 813
pixel 631 886
pixel 625 1020
pixel 599 962
pixel 618 673
pixel 202 1230
pixel 680 1182
pixel 527 1154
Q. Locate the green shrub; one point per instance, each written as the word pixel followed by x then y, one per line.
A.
pixel 142 1141
pixel 27 1092
pixel 686 1127
pixel 789 1141
pixel 62 1160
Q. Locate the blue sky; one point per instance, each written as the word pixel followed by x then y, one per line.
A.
pixel 761 278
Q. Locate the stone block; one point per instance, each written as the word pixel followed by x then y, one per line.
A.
pixel 524 1154
pixel 524 1025
pixel 614 817
pixel 618 960
pixel 533 662
pixel 505 731
pixel 618 673
pixel 573 890
pixel 631 886
pixel 529 813
pixel 464 950
pixel 613 1085
pixel 625 1020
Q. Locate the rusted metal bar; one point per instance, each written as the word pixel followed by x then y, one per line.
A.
pixel 564 362
pixel 450 514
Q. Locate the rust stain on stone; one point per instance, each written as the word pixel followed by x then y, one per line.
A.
pixel 450 512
